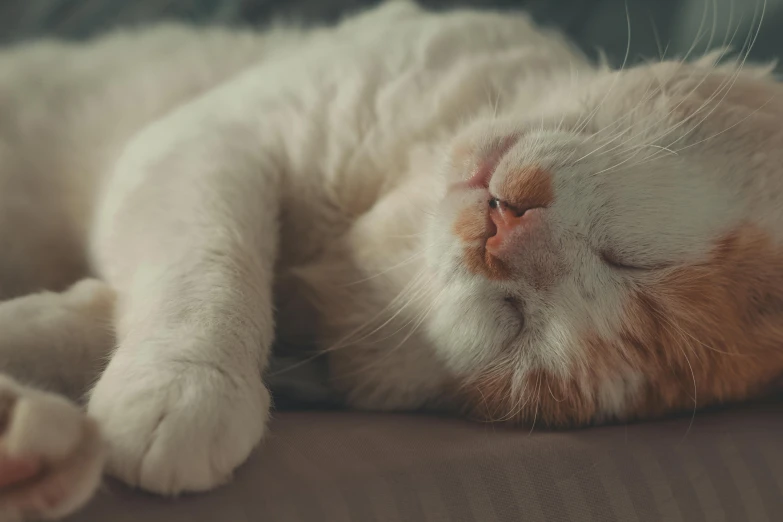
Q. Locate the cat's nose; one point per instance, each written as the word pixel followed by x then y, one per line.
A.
pixel 511 223
pixel 526 193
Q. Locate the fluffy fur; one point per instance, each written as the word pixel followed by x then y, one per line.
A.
pixel 458 210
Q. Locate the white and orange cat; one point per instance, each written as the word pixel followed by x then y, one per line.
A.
pixel 459 209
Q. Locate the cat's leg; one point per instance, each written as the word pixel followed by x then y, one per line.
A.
pixel 58 342
pixel 187 234
pixel 51 453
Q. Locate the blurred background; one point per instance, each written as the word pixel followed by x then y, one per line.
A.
pixel 656 26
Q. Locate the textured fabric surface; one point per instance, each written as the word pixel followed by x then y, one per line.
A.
pixel 339 466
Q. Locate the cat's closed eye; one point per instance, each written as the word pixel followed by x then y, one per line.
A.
pixel 617 261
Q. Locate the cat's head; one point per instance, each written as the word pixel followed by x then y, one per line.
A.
pixel 618 255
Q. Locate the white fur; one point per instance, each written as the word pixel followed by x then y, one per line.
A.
pixel 197 170
pixel 615 394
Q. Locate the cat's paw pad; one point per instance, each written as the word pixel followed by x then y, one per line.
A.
pixel 178 428
pixel 51 454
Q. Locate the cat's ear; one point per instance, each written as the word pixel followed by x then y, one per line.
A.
pixel 733 105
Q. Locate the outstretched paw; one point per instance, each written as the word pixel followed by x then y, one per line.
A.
pixel 175 428
pixel 51 454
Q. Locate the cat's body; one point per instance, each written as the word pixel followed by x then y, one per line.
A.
pixel 391 113
pixel 211 176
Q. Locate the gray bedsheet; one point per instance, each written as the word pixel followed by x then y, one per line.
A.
pixel 340 467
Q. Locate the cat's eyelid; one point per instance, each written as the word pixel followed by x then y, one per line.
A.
pixel 611 259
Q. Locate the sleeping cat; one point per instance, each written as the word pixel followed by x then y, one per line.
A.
pixel 459 211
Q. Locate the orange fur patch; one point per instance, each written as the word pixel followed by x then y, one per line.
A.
pixel 717 324
pixel 540 399
pixel 528 188
pixel 472 225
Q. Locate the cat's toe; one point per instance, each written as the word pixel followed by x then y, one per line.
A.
pixel 185 428
pixel 51 454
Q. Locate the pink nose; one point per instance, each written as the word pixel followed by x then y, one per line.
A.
pixel 511 224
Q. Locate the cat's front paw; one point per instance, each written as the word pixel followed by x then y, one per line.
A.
pixel 176 427
pixel 51 454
